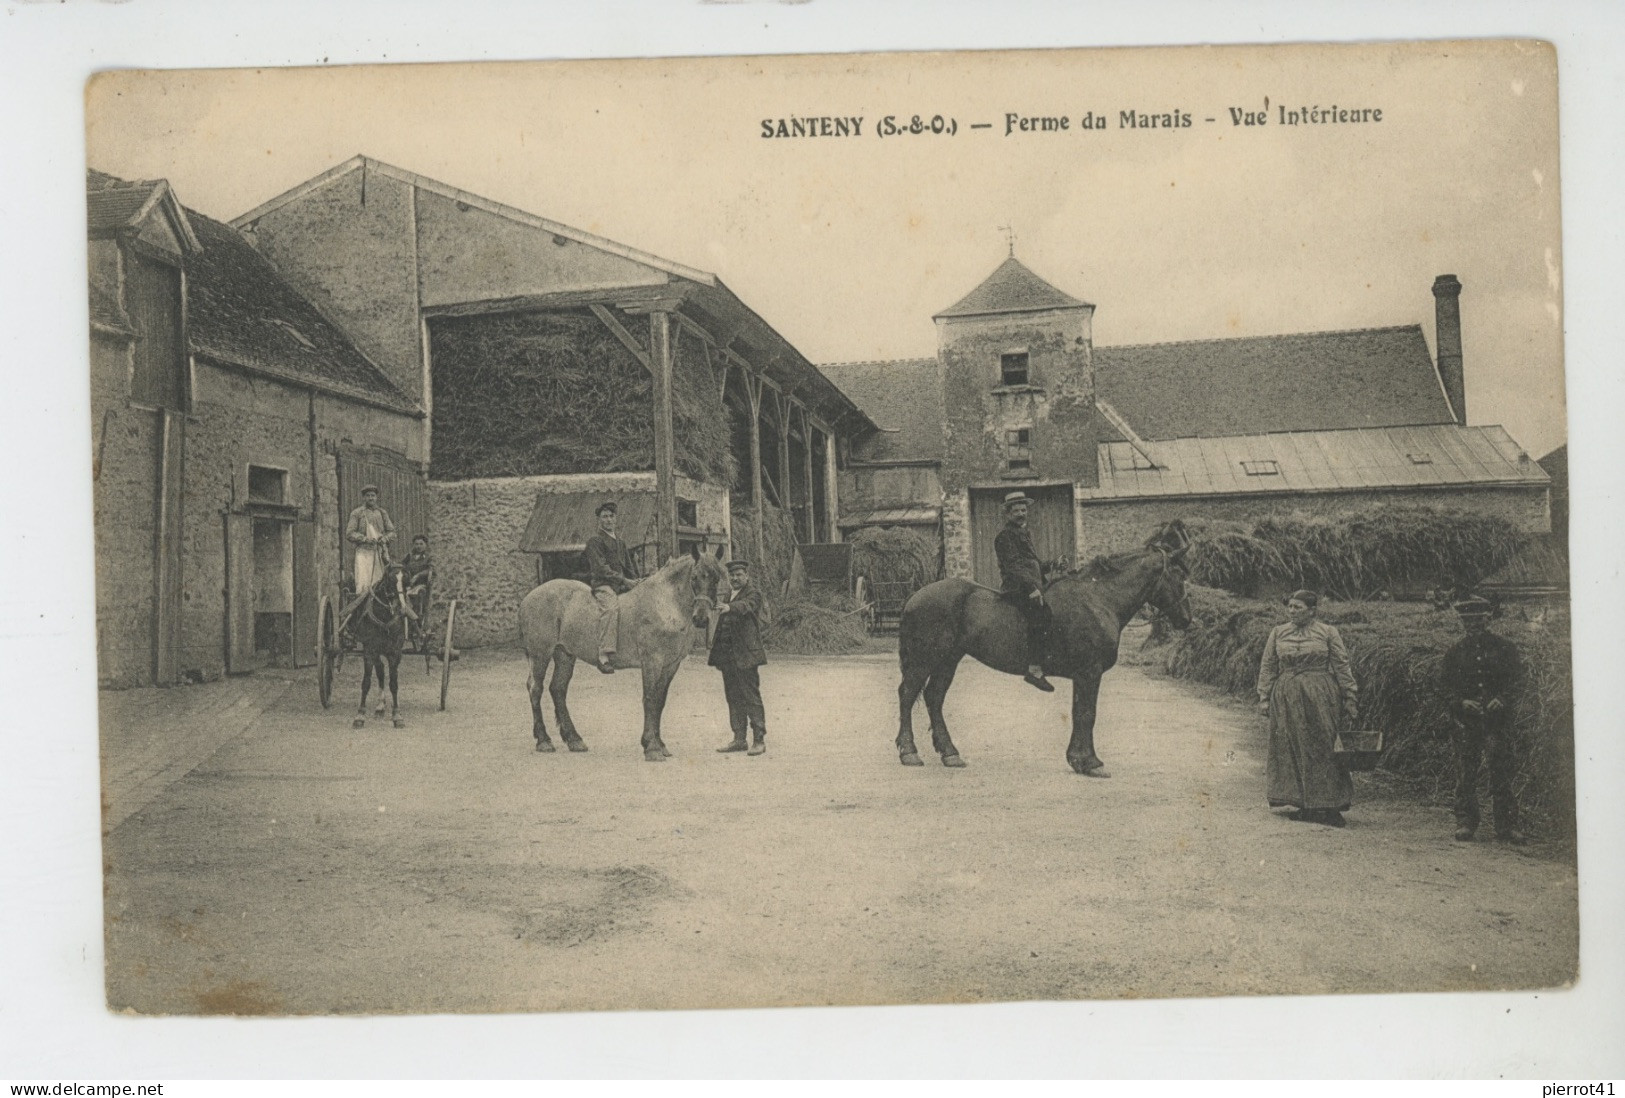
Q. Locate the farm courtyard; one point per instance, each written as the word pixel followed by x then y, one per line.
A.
pixel 296 865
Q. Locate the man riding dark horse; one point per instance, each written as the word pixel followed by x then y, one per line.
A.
pixel 1022 576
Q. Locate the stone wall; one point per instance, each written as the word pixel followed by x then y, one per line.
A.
pixel 127 441
pixel 957 557
pixel 240 420
pixel 1111 526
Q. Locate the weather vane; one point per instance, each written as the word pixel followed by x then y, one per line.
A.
pixel 1010 236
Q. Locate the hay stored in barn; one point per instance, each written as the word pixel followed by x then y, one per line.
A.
pixel 523 394
pixel 779 545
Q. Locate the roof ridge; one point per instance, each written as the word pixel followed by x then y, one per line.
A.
pixel 878 361
pixel 1276 335
pixel 479 201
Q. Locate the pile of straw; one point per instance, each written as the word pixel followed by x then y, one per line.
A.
pixel 1396 649
pixel 826 626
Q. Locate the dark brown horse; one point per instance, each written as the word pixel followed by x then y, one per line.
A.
pixel 379 625
pixel 558 623
pixel 953 618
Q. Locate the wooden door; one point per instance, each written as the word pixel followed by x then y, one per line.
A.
pixel 239 593
pixel 400 492
pixel 1050 518
pixel 307 593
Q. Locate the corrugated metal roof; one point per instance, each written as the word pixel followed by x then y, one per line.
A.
pixel 562 521
pixel 1012 288
pixel 1316 461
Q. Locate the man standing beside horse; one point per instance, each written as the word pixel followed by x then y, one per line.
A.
pixel 611 574
pixel 1022 581
pixel 736 651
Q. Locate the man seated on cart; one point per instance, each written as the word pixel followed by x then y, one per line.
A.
pixel 419 568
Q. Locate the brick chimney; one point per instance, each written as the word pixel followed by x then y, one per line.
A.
pixel 1447 337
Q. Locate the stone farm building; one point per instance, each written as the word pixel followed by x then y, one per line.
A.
pixel 232 425
pixel 557 368
pixel 1111 441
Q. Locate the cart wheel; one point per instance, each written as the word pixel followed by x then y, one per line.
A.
pixel 327 650
pixel 866 606
pixel 446 654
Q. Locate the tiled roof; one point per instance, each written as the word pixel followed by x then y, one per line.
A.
pixel 1012 288
pixel 904 399
pixel 240 311
pixel 1316 461
pixel 113 203
pixel 1318 381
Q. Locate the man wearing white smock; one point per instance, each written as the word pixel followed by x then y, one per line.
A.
pixel 370 531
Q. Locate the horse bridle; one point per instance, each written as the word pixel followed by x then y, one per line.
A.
pixel 374 601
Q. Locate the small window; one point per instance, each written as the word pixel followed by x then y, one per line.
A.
pixel 267 485
pixel 1019 437
pixel 688 513
pixel 1020 465
pixel 1420 459
pixel 1261 468
pixel 1013 368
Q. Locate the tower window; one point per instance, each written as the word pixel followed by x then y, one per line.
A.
pixel 1013 368
pixel 1020 437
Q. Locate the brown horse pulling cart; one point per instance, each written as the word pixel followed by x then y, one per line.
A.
pixel 332 645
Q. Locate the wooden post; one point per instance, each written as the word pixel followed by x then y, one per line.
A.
pixel 665 454
pixel 783 480
pixel 832 511
pixel 753 389
pixel 807 475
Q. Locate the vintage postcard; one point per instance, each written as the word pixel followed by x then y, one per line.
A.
pixel 864 529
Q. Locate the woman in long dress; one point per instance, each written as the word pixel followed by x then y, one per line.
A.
pixel 1306 687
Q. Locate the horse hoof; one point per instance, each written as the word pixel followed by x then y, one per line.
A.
pixel 399 723
pixel 953 761
pixel 575 745
pixel 664 752
pixel 359 722
pixel 910 759
pixel 379 712
pixel 654 755
pixel 545 747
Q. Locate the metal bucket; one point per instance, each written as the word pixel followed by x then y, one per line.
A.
pixel 1358 750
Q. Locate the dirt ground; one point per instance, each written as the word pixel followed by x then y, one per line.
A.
pixel 307 867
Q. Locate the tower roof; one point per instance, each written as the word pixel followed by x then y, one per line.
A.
pixel 1012 289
